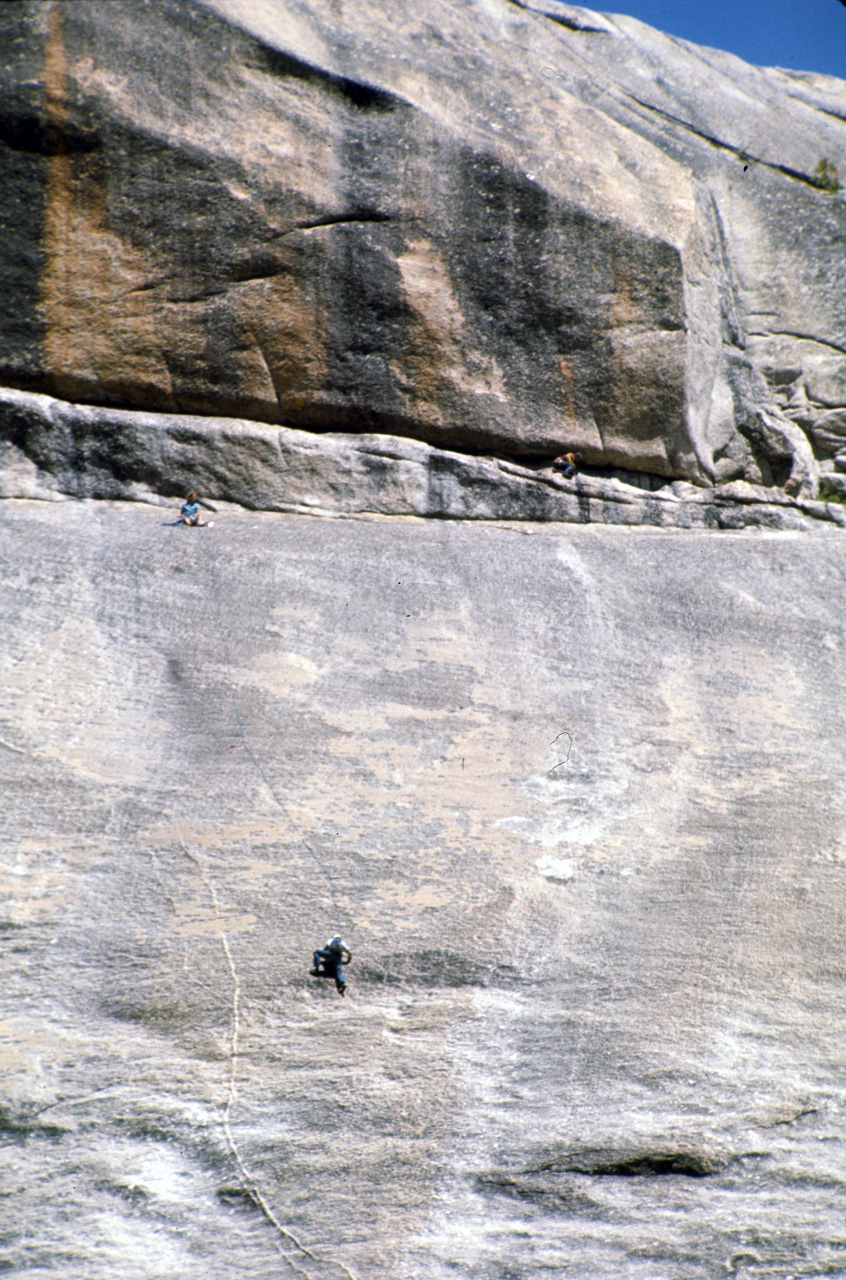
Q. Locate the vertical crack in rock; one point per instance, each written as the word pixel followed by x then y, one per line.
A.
pixel 254 1192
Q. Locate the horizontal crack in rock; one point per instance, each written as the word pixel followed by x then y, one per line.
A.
pixel 560 1198
pixel 608 1162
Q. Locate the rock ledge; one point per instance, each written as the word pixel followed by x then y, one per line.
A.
pixel 51 449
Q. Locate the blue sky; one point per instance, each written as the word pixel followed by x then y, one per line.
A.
pixel 801 35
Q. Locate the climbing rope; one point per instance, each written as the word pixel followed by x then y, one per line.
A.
pixel 253 757
pixel 302 1252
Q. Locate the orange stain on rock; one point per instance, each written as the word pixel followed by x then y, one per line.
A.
pixel 99 340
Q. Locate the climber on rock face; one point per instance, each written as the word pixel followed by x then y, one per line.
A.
pixel 328 961
pixel 568 464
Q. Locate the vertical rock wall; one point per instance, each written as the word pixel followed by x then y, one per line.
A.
pixel 461 227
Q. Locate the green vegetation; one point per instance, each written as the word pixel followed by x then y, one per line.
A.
pixel 825 177
pixel 830 491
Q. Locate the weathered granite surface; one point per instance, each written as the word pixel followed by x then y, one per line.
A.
pixel 595 1023
pixel 578 791
pixel 495 224
pixel 50 449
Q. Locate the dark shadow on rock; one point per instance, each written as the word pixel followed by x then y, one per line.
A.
pixel 434 968
pixel 238 1197
pixel 631 1162
pixel 544 1194
pixel 130 1192
pixel 144 1129
pixel 17 1128
pixel 163 1017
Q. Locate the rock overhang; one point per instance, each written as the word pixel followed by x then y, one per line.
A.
pixel 53 450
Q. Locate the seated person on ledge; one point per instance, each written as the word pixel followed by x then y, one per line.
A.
pixel 191 511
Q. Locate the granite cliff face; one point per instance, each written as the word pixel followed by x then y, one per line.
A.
pixel 488 226
pixel 580 792
pixel 574 796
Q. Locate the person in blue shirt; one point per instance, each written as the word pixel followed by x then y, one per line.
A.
pixel 328 961
pixel 191 511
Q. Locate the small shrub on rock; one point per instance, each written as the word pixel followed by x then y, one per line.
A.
pixel 825 177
